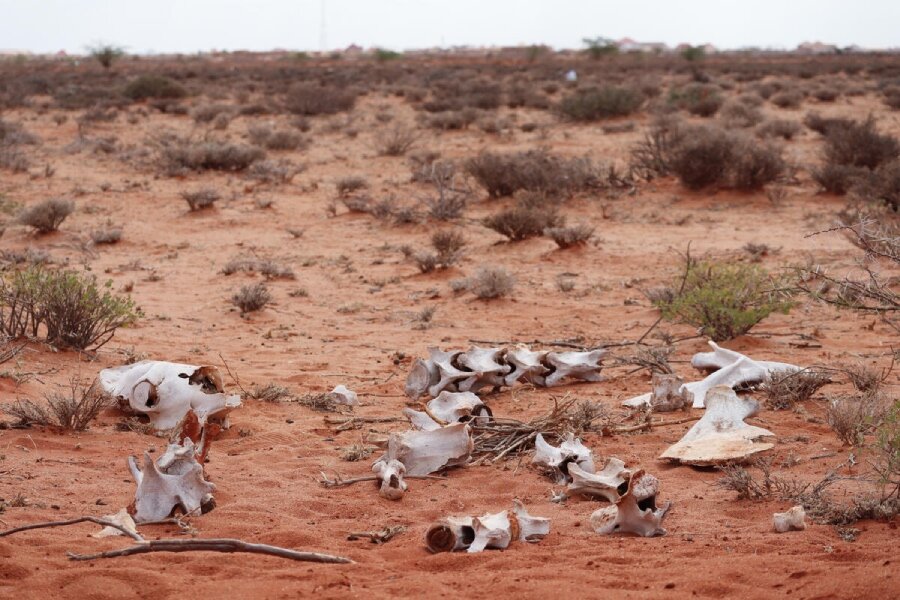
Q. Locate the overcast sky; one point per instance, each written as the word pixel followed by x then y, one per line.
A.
pixel 144 26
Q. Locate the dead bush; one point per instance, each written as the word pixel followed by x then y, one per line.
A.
pixel 740 115
pixel 46 216
pixel 448 248
pixel 209 112
pixel 882 185
pixel 73 410
pixel 490 282
pixel 201 198
pixel 251 298
pixel 282 139
pixel 837 179
pixel 534 170
pixel 107 235
pixel 452 119
pixel 784 389
pixel 275 172
pixel 701 156
pixel 271 392
pixel 858 144
pixel 13 134
pixel 605 102
pixel 783 128
pixel 183 156
pixel 851 417
pixel 396 141
pixel 351 183
pixel 573 235
pixel 522 222
pixel 702 100
pixel 787 99
pixel 310 99
pixel 153 86
pixel 755 164
pixel 268 268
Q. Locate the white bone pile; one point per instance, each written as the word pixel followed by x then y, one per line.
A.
pixel 635 511
pixel 721 435
pixel 421 452
pixel 479 367
pixel 174 481
pixel 495 530
pixel 728 368
pixel 166 391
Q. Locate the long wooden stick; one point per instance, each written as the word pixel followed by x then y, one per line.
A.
pixel 650 424
pixel 106 523
pixel 213 545
pixel 340 482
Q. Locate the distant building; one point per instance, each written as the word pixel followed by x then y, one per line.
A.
pixel 353 50
pixel 627 44
pixel 816 48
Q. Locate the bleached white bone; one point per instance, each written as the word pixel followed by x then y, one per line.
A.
pixel 791 520
pixel 450 534
pixel 721 435
pixel 484 366
pixel 426 452
pixel 166 391
pixel 448 374
pixel 180 484
pixel 420 420
pixel 579 365
pixel 527 366
pixel 555 461
pixel 627 516
pixel 722 357
pixel 494 530
pixel 391 473
pixel 668 393
pixel 605 483
pixel 422 376
pixel 531 528
pixel 341 395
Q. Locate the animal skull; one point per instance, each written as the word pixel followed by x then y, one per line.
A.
pixel 556 461
pixel 631 515
pixel 668 393
pixel 166 391
pixel 721 435
pixel 174 482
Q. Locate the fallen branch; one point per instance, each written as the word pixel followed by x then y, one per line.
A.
pixel 648 425
pixel 378 537
pixel 213 545
pixel 104 522
pixel 351 422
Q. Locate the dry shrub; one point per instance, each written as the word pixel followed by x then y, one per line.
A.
pixel 783 128
pixel 283 139
pixel 452 119
pixel 153 86
pixel 573 235
pixel 276 172
pixel 268 268
pixel 787 99
pixel 859 144
pixel 72 411
pixel 491 282
pixel 13 134
pixel 271 392
pixel 523 221
pixel 882 185
pixel 534 170
pixel 397 141
pixel 824 94
pixel 699 99
pixel 183 156
pixel 784 389
pixel 851 417
pixel 864 378
pixel 107 235
pixel 739 114
pixel 251 298
pixel 209 112
pixel 755 164
pixel 837 179
pixel 311 99
pixel 448 250
pixel 46 216
pixel 201 198
pixel 351 183
pixel 605 102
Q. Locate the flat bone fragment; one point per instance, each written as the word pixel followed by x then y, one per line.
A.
pixel 556 460
pixel 166 391
pixel 420 420
pixel 721 435
pixel 527 366
pixel 627 514
pixel 485 367
pixel 531 528
pixel 121 518
pixel 608 483
pixel 178 484
pixel 341 395
pixel 728 368
pixel 578 365
pixel 792 520
pixel 391 473
pixel 426 452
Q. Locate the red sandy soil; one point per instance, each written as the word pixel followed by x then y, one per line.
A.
pixel 359 311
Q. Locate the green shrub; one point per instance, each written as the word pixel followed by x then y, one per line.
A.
pixel 153 86
pixel 698 99
pixel 724 300
pixel 600 103
pixel 68 306
pixel 106 54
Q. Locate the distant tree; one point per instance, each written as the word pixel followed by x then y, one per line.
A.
pixel 106 54
pixel 384 55
pixel 599 47
pixel 693 53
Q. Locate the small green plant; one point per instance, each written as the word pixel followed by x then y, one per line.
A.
pixel 385 55
pixel 68 306
pixel 599 47
pixel 724 300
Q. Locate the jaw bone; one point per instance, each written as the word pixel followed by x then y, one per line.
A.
pixel 630 514
pixel 496 530
pixel 721 435
pixel 728 367
pixel 166 391
pixel 556 461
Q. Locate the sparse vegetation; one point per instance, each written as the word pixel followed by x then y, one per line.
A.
pixel 600 103
pixel 535 170
pixel 573 235
pixel 522 222
pixel 153 86
pixel 784 389
pixel 209 155
pixel 46 216
pixel 201 198
pixel 72 410
pixel 252 298
pixel 310 99
pixel 851 417
pixel 490 282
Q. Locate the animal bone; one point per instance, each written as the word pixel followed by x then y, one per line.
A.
pixel 479 367
pixel 527 365
pixel 176 483
pixel 449 407
pixel 485 366
pixel 668 393
pixel 341 395
pixel 580 365
pixel 556 461
pixel 728 368
pixel 792 520
pixel 496 530
pixel 629 515
pixel 425 452
pixel 166 391
pixel 391 473
pixel 721 435
pixel 121 518
pixel 608 483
